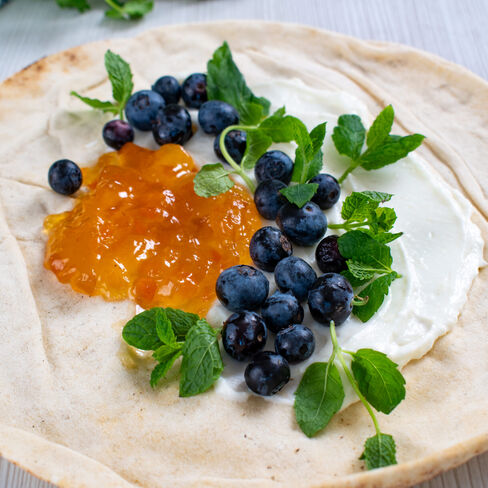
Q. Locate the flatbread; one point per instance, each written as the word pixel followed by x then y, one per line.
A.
pixel 72 414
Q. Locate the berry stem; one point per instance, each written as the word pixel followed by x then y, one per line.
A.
pixel 228 157
pixel 338 352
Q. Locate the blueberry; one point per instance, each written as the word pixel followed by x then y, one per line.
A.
pixel 268 247
pixel 64 177
pixel 328 191
pixel 281 310
pixel 328 257
pixel 243 335
pixel 214 116
pixel 235 143
pixel 294 275
pixel 267 373
pixel 274 165
pixel 295 344
pixel 241 288
pixel 174 126
pixel 116 133
pixel 303 226
pixel 169 88
pixel 144 108
pixel 268 198
pixel 330 298
pixel 194 90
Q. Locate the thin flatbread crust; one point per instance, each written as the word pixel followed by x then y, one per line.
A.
pixel 76 412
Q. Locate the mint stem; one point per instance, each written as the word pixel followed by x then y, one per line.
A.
pixel 116 7
pixel 338 352
pixel 349 226
pixel 228 157
pixel 351 168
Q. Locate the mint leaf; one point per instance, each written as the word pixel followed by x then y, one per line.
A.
pixel 300 194
pixel 318 397
pixel 308 155
pixel 256 145
pixel 379 131
pixel 390 152
pixel 161 369
pixel 358 205
pixel 349 135
pixel 379 451
pixel 97 104
pixel 225 82
pixel 279 127
pixel 181 321
pixel 120 75
pixel 361 248
pixel 376 292
pixel 165 351
pixel 383 219
pixel 212 180
pixel 141 330
pixel 379 379
pixel 202 363
pixel 386 237
pixel 133 9
pixel 81 5
pixel 164 329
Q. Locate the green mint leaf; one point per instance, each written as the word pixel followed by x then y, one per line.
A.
pixel 181 321
pixel 120 75
pixel 383 219
pixel 141 330
pixel 202 363
pixel 379 451
pixel 379 379
pixel 386 237
pixel 256 145
pixel 161 369
pixel 225 82
pixel 361 271
pixel 349 135
pixel 318 397
pixel 212 180
pixel 81 5
pixel 358 205
pixel 361 248
pixel 98 104
pixel 300 194
pixel 390 152
pixel 136 9
pixel 379 132
pixel 353 280
pixel 164 328
pixel 279 127
pixel 376 292
pixel 162 353
pixel 317 136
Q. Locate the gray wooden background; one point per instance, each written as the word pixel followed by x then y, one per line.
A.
pixel 454 29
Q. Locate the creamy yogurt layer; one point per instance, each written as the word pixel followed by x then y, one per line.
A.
pixel 438 256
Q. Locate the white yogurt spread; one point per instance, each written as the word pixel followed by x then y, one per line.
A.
pixel 438 256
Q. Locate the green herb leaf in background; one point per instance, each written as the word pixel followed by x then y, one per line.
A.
pixel 129 10
pixel 319 397
pixel 202 363
pixel 80 5
pixel 379 451
pixel 211 180
pixel 379 379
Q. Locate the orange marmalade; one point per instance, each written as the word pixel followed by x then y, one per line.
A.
pixel 141 232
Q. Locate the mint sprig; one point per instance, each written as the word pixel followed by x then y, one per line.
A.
pixel 376 381
pixel 383 148
pixel 131 9
pixel 120 76
pixel 171 333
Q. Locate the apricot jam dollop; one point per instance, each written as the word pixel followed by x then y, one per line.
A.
pixel 141 232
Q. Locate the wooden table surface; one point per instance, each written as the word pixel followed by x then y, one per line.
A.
pixel 454 29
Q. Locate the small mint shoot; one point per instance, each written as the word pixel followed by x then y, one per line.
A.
pixel 383 148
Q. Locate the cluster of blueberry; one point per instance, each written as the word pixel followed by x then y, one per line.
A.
pixel 244 290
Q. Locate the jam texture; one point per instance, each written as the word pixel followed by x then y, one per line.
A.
pixel 141 232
